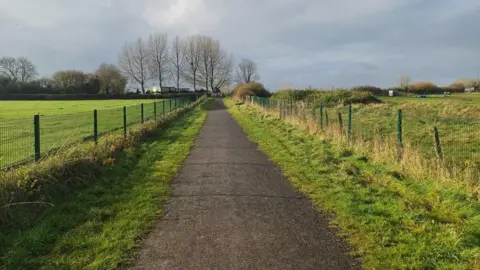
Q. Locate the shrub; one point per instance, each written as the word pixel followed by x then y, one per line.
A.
pixel 370 89
pixel 424 87
pixel 327 97
pixel 457 85
pixel 254 87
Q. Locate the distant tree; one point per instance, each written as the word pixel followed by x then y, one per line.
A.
pixel 45 82
pixel 133 61
pixel 158 56
pixel 215 64
pixel 404 82
pixel 247 72
pixel 192 54
pixel 466 83
pixel 4 80
pixel 9 68
pixel 17 69
pixel 27 71
pixel 176 61
pixel 111 79
pixel 92 84
pixel 70 81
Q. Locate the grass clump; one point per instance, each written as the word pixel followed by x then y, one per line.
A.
pixel 97 226
pixel 394 220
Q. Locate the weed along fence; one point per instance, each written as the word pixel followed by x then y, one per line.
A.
pixel 415 139
pixel 29 139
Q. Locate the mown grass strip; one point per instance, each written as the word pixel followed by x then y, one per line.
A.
pixel 97 227
pixel 393 222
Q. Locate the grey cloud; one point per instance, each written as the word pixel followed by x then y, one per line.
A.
pixel 319 43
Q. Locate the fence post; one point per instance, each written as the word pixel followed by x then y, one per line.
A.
pixel 349 122
pixel 291 106
pixel 169 105
pixel 36 132
pixel 399 134
pixel 155 110
pixel 438 146
pixel 95 126
pixel 321 116
pixel 141 111
pixel 124 121
pixel 340 122
pixel 326 117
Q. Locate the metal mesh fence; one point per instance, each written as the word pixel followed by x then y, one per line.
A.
pixel 16 141
pixel 60 131
pixel 26 139
pixel 453 139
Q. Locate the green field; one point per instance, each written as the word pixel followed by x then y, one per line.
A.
pixel 26 109
pixel 456 117
pixel 64 122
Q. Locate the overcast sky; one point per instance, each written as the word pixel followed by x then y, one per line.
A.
pixel 322 43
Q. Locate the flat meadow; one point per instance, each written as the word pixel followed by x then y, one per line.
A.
pixel 63 123
pixel 456 118
pixel 375 121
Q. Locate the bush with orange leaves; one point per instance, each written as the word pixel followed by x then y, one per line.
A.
pixel 424 87
pixel 250 89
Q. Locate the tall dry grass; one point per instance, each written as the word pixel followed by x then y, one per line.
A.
pixel 383 150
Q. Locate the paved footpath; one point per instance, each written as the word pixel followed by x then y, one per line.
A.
pixel 231 208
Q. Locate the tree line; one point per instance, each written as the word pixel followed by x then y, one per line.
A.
pixel 198 61
pixel 20 76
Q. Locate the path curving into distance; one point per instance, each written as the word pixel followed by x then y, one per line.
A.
pixel 231 208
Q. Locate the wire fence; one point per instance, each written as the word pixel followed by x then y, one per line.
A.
pixel 29 139
pixel 454 141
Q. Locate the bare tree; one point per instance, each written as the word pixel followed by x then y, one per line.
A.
pixel 176 67
pixel 220 65
pixel 246 72
pixel 404 82
pixel 9 68
pixel 225 71
pixel 204 51
pixel 216 65
pixel 158 56
pixel 17 70
pixel 26 70
pixel 133 62
pixel 192 55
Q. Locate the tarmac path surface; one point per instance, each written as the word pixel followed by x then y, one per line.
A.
pixel 232 208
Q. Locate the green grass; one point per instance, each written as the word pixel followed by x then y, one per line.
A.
pixel 26 109
pixel 456 117
pixel 392 221
pixel 97 227
pixel 63 123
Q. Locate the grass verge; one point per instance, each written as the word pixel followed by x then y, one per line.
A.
pixel 96 227
pixel 393 221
